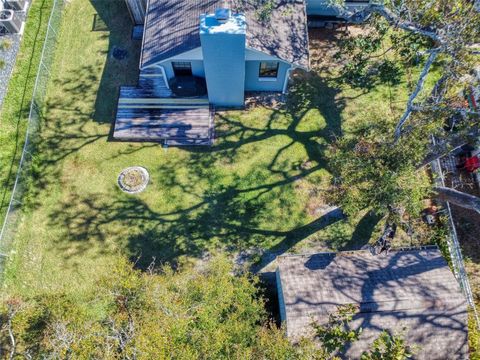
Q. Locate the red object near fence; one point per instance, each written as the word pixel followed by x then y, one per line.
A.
pixel 472 163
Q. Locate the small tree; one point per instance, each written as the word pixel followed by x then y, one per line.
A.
pixel 388 347
pixel 336 334
pixel 370 173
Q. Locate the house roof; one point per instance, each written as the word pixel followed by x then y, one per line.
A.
pixel 172 28
pixel 412 289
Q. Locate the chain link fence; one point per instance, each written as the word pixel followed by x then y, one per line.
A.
pixel 37 104
pixel 454 244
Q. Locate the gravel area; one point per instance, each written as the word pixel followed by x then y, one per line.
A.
pixel 8 55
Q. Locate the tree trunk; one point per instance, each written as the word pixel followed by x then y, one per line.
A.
pixel 453 142
pixel 421 81
pixel 458 198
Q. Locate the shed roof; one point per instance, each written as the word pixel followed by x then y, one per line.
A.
pixel 172 28
pixel 412 289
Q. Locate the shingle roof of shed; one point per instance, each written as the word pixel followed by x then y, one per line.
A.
pixel 172 28
pixel 412 289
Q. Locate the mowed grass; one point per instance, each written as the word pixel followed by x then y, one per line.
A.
pixel 16 105
pixel 261 185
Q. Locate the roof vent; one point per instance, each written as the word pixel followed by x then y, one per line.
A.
pixel 222 14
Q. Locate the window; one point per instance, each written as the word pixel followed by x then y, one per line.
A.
pixel 268 69
pixel 181 68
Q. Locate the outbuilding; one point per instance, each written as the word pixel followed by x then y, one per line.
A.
pixel 409 291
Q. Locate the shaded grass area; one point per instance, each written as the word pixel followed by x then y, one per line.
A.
pixel 262 184
pixel 16 106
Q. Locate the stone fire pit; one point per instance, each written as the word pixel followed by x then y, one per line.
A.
pixel 133 180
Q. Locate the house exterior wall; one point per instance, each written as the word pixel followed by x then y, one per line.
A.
pixel 329 8
pixel 281 300
pixel 254 83
pixel 225 79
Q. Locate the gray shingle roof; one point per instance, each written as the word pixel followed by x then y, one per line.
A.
pixel 172 27
pixel 412 289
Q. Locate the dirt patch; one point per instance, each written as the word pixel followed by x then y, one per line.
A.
pixel 324 44
pixel 273 100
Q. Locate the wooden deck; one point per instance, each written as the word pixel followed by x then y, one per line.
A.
pixel 149 113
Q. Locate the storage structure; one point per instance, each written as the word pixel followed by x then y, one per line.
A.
pixel 137 10
pixel 17 5
pixel 11 21
pixel 410 289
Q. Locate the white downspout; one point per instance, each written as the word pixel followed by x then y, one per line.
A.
pixel 164 74
pixel 287 77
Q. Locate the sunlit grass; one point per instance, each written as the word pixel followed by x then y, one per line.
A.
pixel 261 185
pixel 16 105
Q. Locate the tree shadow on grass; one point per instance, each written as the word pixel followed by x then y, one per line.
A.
pixel 309 92
pixel 224 220
pixel 363 231
pixel 64 127
pixel 233 215
pixel 230 211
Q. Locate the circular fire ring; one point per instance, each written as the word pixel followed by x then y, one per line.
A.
pixel 133 180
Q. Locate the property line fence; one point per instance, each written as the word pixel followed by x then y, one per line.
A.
pixel 37 104
pixel 454 245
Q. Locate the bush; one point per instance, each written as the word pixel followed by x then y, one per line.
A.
pixel 5 45
pixel 191 314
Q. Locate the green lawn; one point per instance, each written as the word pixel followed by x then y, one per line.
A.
pixel 260 185
pixel 16 105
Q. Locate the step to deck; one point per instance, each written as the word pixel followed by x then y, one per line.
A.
pixel 166 101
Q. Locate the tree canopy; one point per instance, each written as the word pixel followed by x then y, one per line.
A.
pixel 206 313
pixel 381 165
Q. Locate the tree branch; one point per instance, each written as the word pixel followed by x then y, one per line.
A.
pixel 393 19
pixel 11 314
pixel 458 198
pixel 413 96
pixel 445 147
